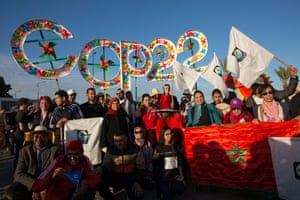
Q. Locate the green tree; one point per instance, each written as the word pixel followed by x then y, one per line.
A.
pixel 4 88
pixel 284 75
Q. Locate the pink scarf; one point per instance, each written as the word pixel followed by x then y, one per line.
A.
pixel 271 111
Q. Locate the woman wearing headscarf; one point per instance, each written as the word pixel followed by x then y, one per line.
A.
pixel 202 114
pixel 114 120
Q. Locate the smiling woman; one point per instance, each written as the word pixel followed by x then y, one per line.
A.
pixel 269 110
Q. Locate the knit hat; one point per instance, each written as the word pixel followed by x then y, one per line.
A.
pixel 236 103
pixel 74 144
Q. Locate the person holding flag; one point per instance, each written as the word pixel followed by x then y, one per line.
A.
pixel 69 176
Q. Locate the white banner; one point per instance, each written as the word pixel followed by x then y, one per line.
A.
pixel 246 58
pixel 87 131
pixel 213 75
pixel 184 77
pixel 286 164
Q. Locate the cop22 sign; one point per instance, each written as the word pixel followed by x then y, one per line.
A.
pixel 163 48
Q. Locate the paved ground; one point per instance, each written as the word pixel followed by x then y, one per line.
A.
pixel 6 165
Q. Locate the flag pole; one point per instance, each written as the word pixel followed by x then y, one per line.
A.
pixel 61 137
pixel 281 61
pixel 172 100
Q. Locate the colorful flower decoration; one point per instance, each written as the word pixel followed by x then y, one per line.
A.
pixel 48 49
pixel 155 72
pixel 200 38
pixel 128 70
pixel 137 57
pixel 17 47
pixel 161 53
pixel 104 63
pixel 190 45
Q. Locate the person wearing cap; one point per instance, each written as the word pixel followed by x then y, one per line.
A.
pixel 202 114
pixel 68 176
pixel 72 96
pixel 33 159
pixel 237 113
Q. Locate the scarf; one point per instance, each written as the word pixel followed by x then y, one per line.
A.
pixel 112 111
pixel 271 111
pixel 237 118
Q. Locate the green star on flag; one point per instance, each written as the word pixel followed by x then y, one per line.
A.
pixel 237 155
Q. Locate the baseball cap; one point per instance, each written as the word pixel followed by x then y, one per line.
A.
pixel 71 91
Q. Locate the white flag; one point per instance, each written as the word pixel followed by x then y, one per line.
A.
pixel 246 58
pixel 88 131
pixel 184 77
pixel 286 164
pixel 213 75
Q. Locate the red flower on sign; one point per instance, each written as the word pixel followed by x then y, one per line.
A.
pixel 48 49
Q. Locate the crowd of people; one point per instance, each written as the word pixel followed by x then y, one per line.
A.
pixel 142 142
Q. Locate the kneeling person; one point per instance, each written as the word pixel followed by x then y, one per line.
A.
pixel 68 176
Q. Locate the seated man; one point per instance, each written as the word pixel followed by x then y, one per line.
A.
pixel 68 176
pixel 32 160
pixel 123 168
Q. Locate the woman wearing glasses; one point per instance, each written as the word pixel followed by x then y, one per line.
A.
pixel 270 110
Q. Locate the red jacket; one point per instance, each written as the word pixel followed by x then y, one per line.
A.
pixel 175 122
pixel 61 188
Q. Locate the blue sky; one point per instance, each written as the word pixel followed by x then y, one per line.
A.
pixel 273 24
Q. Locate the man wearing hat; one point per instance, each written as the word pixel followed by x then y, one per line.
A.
pixel 69 176
pixel 154 97
pixel 33 159
pixel 72 96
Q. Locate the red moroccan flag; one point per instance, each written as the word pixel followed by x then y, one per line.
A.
pixel 236 156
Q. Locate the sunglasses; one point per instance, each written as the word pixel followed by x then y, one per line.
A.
pixel 138 131
pixel 265 93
